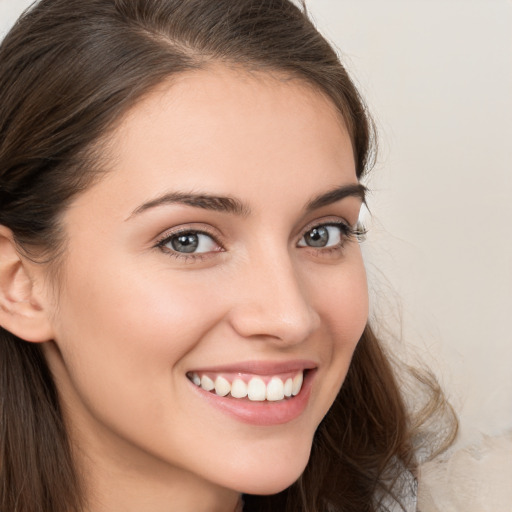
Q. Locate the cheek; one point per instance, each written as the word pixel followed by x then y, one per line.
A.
pixel 122 342
pixel 124 329
pixel 341 297
pixel 135 318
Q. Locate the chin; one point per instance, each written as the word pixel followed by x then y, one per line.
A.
pixel 272 477
pixel 270 484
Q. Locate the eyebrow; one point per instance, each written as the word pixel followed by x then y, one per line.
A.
pixel 226 204
pixel 223 204
pixel 337 194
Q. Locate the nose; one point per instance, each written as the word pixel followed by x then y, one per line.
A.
pixel 272 303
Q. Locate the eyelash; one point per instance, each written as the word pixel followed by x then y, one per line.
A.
pixel 347 233
pixel 168 237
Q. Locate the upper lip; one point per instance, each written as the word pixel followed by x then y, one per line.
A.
pixel 260 367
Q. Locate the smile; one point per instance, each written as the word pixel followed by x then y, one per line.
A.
pixel 256 388
pixel 257 392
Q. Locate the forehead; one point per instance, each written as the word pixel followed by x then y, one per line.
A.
pixel 229 128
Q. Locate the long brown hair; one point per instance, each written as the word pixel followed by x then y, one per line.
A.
pixel 69 70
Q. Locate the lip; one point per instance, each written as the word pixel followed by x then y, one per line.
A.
pixel 268 368
pixel 263 413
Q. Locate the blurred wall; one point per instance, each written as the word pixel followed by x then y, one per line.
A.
pixel 438 78
pixel 437 75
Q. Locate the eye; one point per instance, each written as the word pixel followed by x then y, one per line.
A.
pixel 327 235
pixel 189 242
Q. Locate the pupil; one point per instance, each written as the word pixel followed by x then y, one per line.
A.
pixel 318 237
pixel 185 243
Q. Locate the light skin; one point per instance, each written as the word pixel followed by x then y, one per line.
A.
pixel 131 316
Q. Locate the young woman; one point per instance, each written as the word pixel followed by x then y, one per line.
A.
pixel 183 300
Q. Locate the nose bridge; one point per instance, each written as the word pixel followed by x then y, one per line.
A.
pixel 273 301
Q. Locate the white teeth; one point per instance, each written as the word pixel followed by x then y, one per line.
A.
pixel 297 383
pixel 275 389
pixel 256 391
pixel 288 386
pixel 222 386
pixel 238 389
pixel 207 383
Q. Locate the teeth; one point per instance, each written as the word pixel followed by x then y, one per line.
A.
pixel 238 389
pixel 288 386
pixel 275 389
pixel 297 383
pixel 222 386
pixel 256 390
pixel 207 383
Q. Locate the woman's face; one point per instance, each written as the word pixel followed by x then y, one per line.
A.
pixel 216 249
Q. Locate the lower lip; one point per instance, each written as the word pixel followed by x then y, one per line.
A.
pixel 262 413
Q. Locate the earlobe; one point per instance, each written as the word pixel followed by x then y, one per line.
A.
pixel 21 311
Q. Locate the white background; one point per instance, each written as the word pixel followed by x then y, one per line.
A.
pixel 437 75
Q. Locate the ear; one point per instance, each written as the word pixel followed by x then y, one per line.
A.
pixel 22 309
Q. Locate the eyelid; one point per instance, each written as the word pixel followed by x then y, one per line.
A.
pixel 357 231
pixel 189 228
pixel 324 221
pixel 348 232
